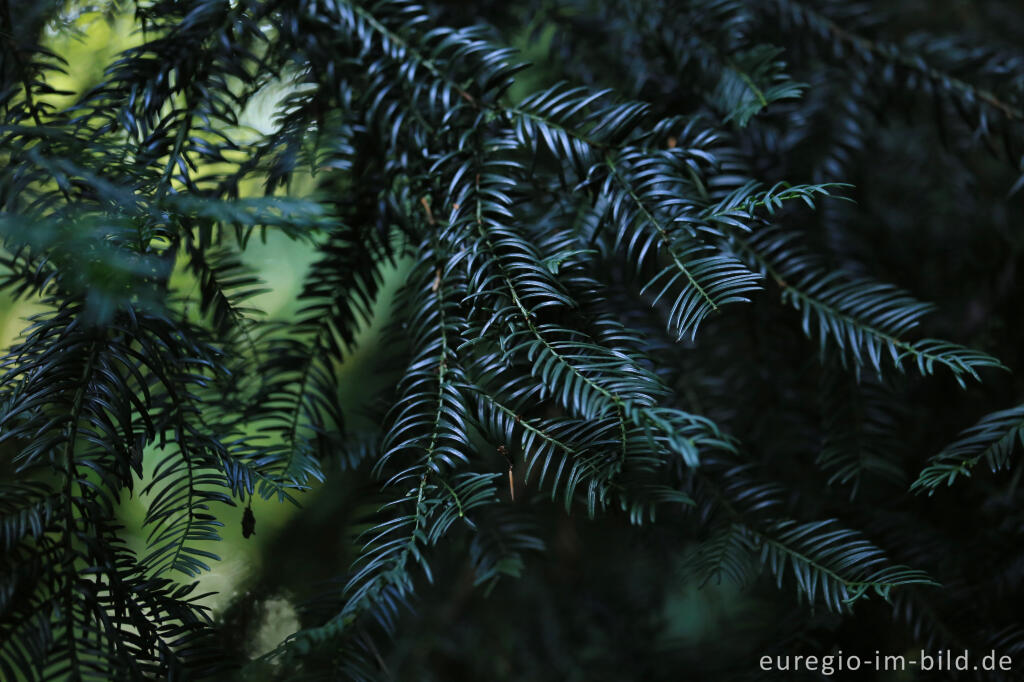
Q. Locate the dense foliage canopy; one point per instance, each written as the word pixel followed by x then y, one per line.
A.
pixel 661 325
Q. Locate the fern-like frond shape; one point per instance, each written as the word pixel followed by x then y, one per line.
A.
pixel 861 434
pixel 567 346
pixel 992 440
pixel 864 319
pixel 750 81
pixel 830 563
pixel 656 232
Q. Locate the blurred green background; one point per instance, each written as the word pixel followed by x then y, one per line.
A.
pixel 89 44
pixel 253 591
pixel 248 590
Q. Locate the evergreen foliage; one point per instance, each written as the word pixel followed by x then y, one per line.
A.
pixel 669 279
